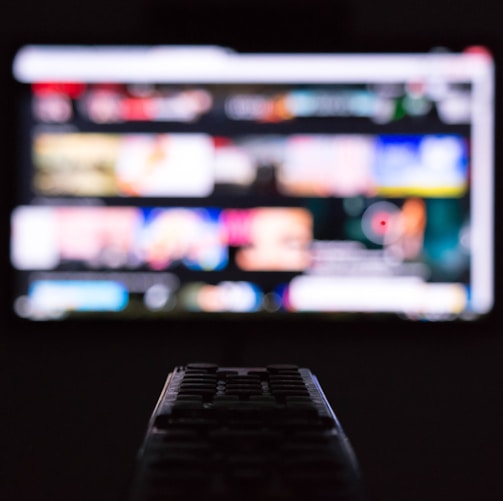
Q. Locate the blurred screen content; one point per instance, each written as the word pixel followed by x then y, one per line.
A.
pixel 358 187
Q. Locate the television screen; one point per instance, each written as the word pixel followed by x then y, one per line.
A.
pixel 166 181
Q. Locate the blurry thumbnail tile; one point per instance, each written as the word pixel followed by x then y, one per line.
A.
pixel 75 164
pixel 233 296
pixel 327 165
pixel 94 237
pixel 426 165
pixel 191 237
pixel 271 238
pixel 99 236
pixel 166 165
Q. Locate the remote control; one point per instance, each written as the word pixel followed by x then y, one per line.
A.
pixel 242 433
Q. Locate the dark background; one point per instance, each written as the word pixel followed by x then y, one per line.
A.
pixel 422 404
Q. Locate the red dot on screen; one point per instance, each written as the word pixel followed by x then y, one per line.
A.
pixel 380 223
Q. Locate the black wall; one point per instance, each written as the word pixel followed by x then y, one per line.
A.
pixel 422 406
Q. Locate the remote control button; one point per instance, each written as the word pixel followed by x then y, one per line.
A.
pixel 162 421
pixel 200 424
pixel 283 393
pixel 262 373
pixel 262 398
pixel 187 409
pixel 208 367
pixel 178 435
pixel 315 436
pixel 205 392
pixel 281 368
pixel 222 373
pixel 196 387
pixel 200 378
pixel 301 399
pixel 287 384
pixel 242 377
pixel 188 398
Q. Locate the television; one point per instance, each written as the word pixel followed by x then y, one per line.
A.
pixel 167 182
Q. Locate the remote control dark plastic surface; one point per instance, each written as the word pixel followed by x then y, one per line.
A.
pixel 242 433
